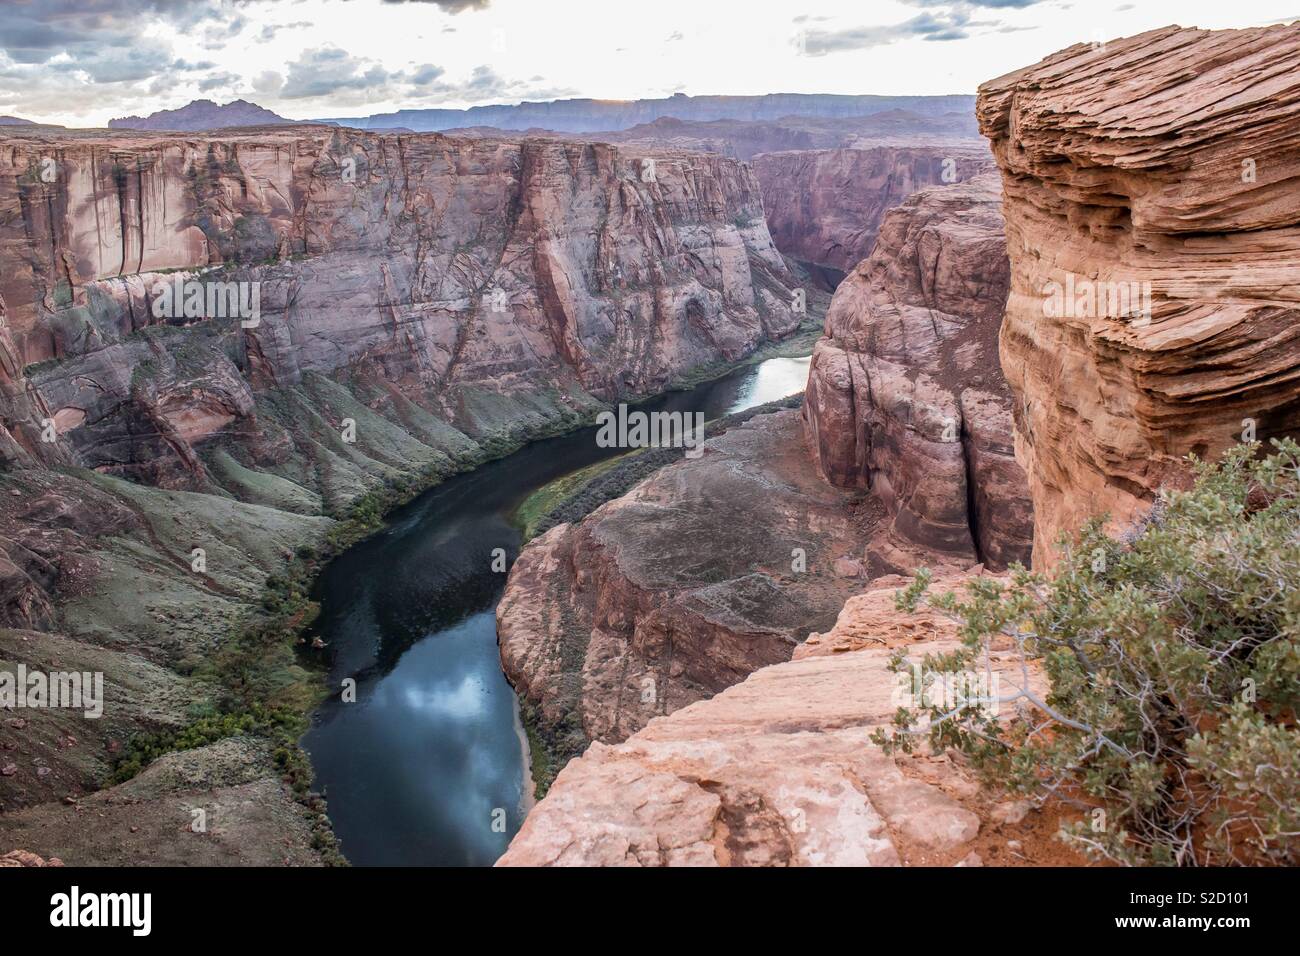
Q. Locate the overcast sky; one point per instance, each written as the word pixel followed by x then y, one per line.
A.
pixel 82 62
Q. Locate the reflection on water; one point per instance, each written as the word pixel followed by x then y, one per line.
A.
pixel 426 767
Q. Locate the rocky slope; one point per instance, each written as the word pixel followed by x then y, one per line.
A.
pixel 704 572
pixel 424 304
pixel 1165 166
pixel 826 206
pixel 779 771
pixel 905 397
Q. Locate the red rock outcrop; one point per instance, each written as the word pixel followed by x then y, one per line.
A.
pixel 492 285
pixel 826 206
pixel 905 397
pixel 1155 182
pixel 704 572
pixel 779 771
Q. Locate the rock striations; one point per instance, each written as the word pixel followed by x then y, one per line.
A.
pixel 485 285
pixel 1152 203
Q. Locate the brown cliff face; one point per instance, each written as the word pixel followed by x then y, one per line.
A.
pixel 905 398
pixel 704 572
pixel 1160 171
pixel 487 284
pixel 826 206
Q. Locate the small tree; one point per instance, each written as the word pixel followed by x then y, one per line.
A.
pixel 1173 662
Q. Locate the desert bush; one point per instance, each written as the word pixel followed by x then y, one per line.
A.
pixel 1172 657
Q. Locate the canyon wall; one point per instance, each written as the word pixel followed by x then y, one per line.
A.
pixel 905 398
pixel 1152 204
pixel 478 284
pixel 826 206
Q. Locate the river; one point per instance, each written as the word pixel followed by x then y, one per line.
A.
pixel 427 766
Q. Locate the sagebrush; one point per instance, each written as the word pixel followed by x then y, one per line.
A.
pixel 1173 665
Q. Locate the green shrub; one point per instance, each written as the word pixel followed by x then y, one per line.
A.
pixel 1173 662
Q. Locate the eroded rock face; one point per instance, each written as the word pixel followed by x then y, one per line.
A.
pixel 825 206
pixel 775 771
pixel 704 572
pixel 487 285
pixel 905 397
pixel 1161 170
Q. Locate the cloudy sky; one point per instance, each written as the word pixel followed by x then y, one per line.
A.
pixel 82 62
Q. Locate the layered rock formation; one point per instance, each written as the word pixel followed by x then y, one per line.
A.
pixel 704 572
pixel 905 397
pixel 477 284
pixel 1155 183
pixel 779 771
pixel 826 206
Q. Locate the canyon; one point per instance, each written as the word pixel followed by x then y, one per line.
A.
pixel 1163 159
pixel 826 206
pixel 713 646
pixel 424 304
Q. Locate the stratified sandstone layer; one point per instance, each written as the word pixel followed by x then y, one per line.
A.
pixel 481 284
pixel 826 206
pixel 905 397
pixel 1170 159
pixel 704 572
pixel 779 771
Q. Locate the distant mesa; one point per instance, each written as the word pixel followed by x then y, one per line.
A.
pixel 203 114
pixel 15 121
pixel 591 116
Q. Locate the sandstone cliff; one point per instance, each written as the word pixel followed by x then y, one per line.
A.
pixel 905 397
pixel 826 206
pixel 1154 182
pixel 482 284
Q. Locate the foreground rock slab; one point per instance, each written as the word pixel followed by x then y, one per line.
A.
pixel 779 770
